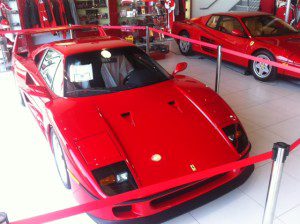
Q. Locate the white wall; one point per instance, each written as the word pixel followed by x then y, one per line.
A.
pixel 219 6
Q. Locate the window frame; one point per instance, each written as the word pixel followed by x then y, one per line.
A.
pixel 217 21
pixel 61 63
pixel 42 54
pixel 119 88
pixel 250 34
pixel 40 65
pixel 246 36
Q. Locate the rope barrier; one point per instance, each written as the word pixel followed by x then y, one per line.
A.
pixel 212 46
pixel 295 145
pixel 153 189
pixel 232 52
pixel 160 187
pixel 124 27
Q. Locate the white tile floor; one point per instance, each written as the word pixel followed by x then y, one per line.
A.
pixel 270 112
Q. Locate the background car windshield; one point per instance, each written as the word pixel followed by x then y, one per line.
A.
pixel 110 70
pixel 261 26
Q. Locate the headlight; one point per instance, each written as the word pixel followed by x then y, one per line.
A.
pixel 115 179
pixel 237 137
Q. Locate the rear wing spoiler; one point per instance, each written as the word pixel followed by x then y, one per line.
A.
pixel 29 39
pixel 59 29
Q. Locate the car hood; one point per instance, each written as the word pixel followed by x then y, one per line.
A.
pixel 289 43
pixel 175 119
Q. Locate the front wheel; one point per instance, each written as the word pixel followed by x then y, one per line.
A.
pixel 60 160
pixel 263 71
pixel 184 46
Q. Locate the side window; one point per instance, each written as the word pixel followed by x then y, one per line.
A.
pixel 213 22
pixel 39 57
pixel 49 66
pixel 58 83
pixel 228 24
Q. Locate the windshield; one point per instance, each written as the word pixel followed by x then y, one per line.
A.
pixel 110 70
pixel 265 25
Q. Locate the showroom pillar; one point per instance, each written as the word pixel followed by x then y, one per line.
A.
pixel 288 9
pixel 280 152
pixel 218 71
pixel 3 218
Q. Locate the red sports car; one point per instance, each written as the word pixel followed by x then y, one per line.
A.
pixel 117 121
pixel 254 33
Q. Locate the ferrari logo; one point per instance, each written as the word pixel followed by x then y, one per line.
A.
pixel 194 169
pixel 252 43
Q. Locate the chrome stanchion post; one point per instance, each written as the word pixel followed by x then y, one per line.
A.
pixel 71 32
pixel 288 9
pixel 147 40
pixel 3 218
pixel 280 152
pixel 218 72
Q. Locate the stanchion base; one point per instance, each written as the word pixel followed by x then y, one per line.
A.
pixel 3 218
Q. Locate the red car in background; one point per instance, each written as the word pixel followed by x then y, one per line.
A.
pixel 116 121
pixel 254 33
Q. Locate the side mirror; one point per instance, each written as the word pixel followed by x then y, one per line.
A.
pixel 180 67
pixel 39 91
pixel 237 33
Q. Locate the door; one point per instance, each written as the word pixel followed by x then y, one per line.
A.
pixel 47 70
pixel 209 35
pixel 25 73
pixel 231 35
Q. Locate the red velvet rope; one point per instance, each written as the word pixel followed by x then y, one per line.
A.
pixel 156 188
pixel 124 27
pixel 225 50
pixel 146 191
pixel 53 29
pixel 212 46
pixel 295 145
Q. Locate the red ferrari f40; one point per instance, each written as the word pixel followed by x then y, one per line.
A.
pixel 117 121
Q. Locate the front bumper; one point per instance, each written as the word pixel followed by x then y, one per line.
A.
pixel 167 206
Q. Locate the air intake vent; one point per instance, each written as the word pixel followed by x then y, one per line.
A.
pixel 127 116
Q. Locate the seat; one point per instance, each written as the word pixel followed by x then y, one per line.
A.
pixel 115 73
pixel 255 27
pixel 227 26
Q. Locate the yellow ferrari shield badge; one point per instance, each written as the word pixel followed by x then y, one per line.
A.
pixel 194 169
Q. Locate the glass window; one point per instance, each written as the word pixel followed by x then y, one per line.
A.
pixel 58 83
pixel 110 70
pixel 39 57
pixel 265 25
pixel 228 24
pixel 49 66
pixel 213 22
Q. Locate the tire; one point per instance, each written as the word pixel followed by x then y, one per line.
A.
pixel 185 47
pixel 262 71
pixel 59 158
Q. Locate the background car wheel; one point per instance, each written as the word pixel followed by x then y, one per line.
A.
pixel 60 160
pixel 262 71
pixel 184 46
